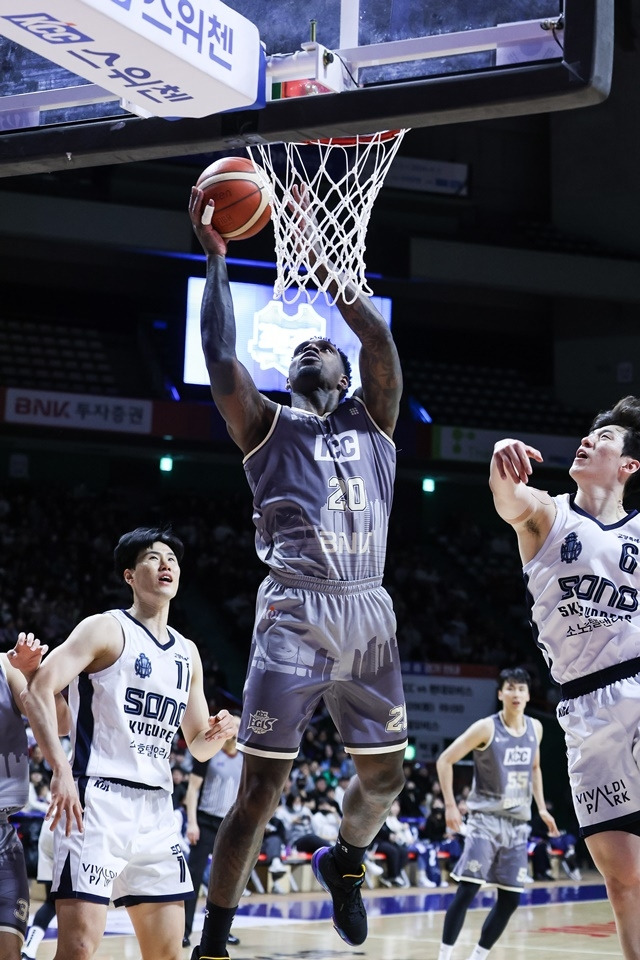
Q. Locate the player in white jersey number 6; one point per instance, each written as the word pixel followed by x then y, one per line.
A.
pixel 321 472
pixel 580 561
pixel 133 681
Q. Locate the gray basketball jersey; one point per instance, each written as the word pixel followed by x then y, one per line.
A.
pixel 583 588
pixel 322 491
pixel 14 752
pixel 502 772
pixel 126 716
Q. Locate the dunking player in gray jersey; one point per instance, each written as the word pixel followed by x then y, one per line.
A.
pixel 133 682
pixel 579 556
pixel 506 773
pixel 322 473
pixel 16 667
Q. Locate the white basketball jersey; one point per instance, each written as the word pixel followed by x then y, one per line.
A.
pixel 126 716
pixel 583 590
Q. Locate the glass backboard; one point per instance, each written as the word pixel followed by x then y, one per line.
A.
pixel 359 66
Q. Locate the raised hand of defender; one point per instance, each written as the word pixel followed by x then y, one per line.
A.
pixel 513 460
pixel 201 213
pixel 27 654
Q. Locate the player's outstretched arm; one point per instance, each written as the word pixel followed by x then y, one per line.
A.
pixel 247 413
pixel 529 511
pixel 95 643
pixel 477 735
pixel 380 370
pixel 25 659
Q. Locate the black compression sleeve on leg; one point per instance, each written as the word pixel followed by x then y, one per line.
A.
pixel 492 929
pixel 454 917
pixel 216 928
pixel 348 857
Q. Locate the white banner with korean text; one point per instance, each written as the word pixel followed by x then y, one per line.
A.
pixel 77 410
pixel 443 699
pixel 169 58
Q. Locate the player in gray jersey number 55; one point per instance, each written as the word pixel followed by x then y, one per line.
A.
pixel 321 472
pixel 506 774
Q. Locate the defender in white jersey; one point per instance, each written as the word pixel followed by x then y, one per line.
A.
pixel 506 774
pixel 580 562
pixel 321 472
pixel 133 682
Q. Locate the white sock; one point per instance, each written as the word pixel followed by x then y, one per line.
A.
pixel 445 951
pixel 32 941
pixel 479 953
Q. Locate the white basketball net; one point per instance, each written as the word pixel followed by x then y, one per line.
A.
pixel 343 178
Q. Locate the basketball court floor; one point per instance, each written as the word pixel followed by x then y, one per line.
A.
pixel 556 921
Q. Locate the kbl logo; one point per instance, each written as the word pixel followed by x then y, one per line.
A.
pixel 47 28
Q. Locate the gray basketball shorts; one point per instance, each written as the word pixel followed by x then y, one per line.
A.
pixel 14 885
pixel 327 639
pixel 495 851
pixel 602 733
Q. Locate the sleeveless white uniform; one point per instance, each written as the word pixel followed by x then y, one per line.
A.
pixel 583 587
pixel 124 720
pixel 495 847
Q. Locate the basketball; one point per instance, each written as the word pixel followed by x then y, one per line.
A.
pixel 241 201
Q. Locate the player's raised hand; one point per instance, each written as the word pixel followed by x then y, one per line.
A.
pixel 513 460
pixel 27 654
pixel 201 214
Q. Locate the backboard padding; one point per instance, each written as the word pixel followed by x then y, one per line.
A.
pixel 460 90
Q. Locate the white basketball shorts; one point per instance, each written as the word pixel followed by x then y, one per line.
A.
pixel 129 851
pixel 602 733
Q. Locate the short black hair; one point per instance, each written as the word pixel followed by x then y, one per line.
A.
pixel 625 414
pixel 131 544
pixel 514 675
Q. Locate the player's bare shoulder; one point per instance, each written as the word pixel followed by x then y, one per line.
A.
pixel 99 639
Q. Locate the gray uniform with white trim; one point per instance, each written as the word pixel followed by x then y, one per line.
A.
pixel 325 626
pixel 495 849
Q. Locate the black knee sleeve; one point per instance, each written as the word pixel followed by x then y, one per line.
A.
pixel 454 917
